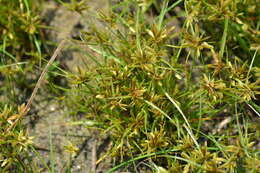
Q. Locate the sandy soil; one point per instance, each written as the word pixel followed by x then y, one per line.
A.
pixel 48 119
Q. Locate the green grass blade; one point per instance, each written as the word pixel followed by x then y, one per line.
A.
pixel 161 111
pixel 224 38
pixel 143 157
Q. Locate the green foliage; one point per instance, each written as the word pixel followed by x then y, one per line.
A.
pixel 14 141
pixel 20 51
pixel 20 45
pixel 174 98
pixel 152 94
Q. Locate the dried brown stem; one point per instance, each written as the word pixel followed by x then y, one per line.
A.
pixel 38 84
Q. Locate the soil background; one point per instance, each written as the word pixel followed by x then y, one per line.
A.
pixel 49 120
